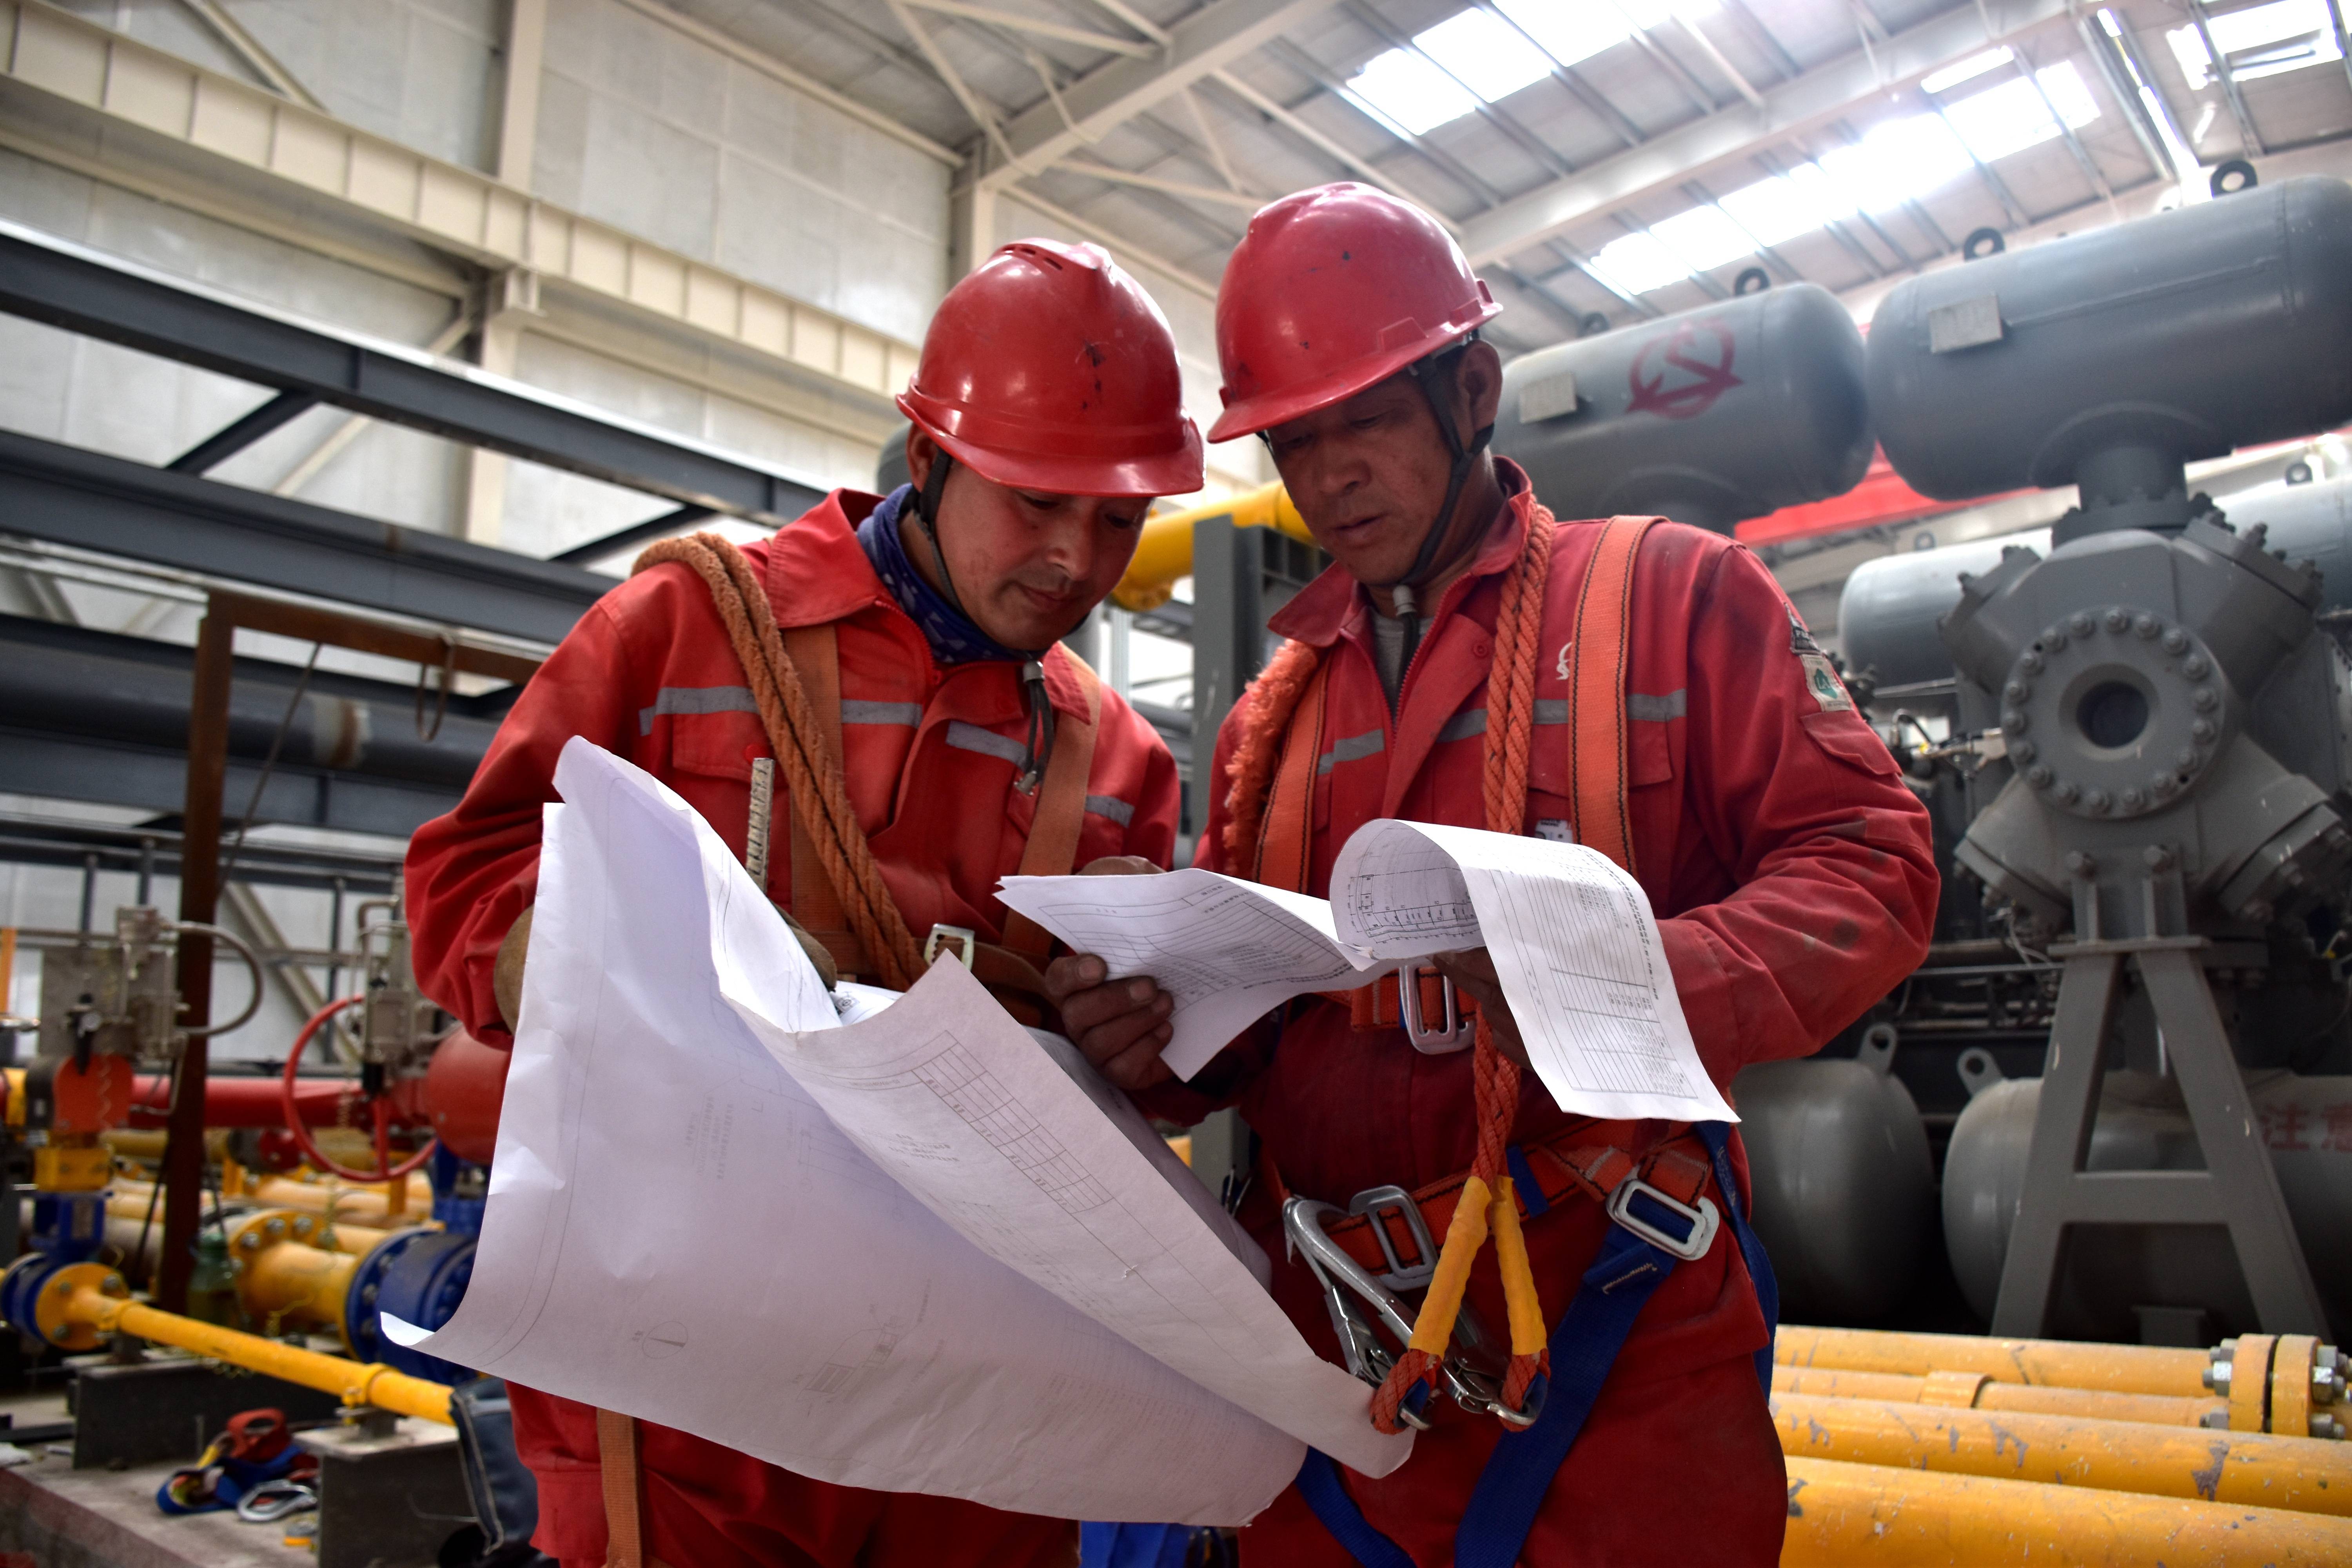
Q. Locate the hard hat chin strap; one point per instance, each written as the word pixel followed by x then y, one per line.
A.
pixel 1438 379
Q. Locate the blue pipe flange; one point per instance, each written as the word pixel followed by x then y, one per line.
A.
pixel 20 1289
pixel 418 1276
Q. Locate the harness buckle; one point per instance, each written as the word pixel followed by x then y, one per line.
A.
pixel 1458 1032
pixel 966 942
pixel 1692 1246
pixel 1374 1202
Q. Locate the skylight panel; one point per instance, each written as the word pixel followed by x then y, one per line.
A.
pixel 1967 70
pixel 1785 207
pixel 1650 14
pixel 1895 161
pixel 1569 30
pixel 2002 119
pixel 2263 40
pixel 1485 53
pixel 1637 264
pixel 1703 237
pixel 2064 87
pixel 2011 117
pixel 1411 91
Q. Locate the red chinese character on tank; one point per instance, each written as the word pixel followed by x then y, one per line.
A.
pixel 1680 374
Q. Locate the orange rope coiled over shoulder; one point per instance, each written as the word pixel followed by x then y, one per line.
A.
pixel 1510 738
pixel 811 778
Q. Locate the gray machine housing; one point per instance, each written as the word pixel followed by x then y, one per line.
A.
pixel 1720 414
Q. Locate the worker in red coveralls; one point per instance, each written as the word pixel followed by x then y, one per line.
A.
pixel 1790 869
pixel 1047 414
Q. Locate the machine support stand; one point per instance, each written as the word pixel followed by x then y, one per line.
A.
pixel 2238 1188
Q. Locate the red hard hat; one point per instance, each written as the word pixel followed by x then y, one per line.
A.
pixel 1050 368
pixel 1330 291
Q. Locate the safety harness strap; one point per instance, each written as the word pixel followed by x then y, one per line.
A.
pixel 1286 842
pixel 625 1491
pixel 1599 650
pixel 816 652
pixel 1053 846
pixel 1584 1347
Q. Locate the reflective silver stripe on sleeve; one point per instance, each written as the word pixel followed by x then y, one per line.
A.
pixel 1111 806
pixel 1657 710
pixel 966 737
pixel 1352 748
pixel 1551 709
pixel 676 700
pixel 908 713
pixel 1463 725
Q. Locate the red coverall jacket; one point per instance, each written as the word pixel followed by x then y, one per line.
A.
pixel 1794 882
pixel 649 674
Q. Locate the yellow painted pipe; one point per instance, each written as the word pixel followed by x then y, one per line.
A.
pixel 2117 1369
pixel 1968 1390
pixel 1164 552
pixel 94 1297
pixel 284 1280
pixel 341 1237
pixel 2295 1473
pixel 343 1202
pixel 1840 1514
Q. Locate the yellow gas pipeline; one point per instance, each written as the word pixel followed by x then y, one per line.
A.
pixel 2119 1369
pixel 2250 1467
pixel 86 1303
pixel 1972 1390
pixel 1165 552
pixel 1840 1514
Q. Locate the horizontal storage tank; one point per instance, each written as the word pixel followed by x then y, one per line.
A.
pixel 1845 1186
pixel 2190 334
pixel 2108 1271
pixel 1726 412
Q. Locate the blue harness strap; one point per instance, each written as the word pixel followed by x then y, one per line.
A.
pixel 1318 1483
pixel 1584 1346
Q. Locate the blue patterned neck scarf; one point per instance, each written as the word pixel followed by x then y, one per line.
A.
pixel 954 637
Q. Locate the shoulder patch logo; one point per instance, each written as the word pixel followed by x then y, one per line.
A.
pixel 1821 681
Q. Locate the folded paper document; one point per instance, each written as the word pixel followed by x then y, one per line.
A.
pixel 1571 935
pixel 910 1246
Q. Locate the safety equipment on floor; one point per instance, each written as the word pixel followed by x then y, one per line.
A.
pixel 1660 1217
pixel 838 893
pixel 1049 368
pixel 1331 290
pixel 255 1449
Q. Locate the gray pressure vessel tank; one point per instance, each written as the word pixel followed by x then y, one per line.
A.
pixel 1845 1186
pixel 2188 333
pixel 2107 1270
pixel 1887 613
pixel 1726 412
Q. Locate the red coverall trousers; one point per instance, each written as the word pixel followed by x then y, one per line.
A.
pixel 929 757
pixel 1794 880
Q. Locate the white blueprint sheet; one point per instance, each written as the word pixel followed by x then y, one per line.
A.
pixel 678 1229
pixel 1574 944
pixel 1227 951
pixel 1572 938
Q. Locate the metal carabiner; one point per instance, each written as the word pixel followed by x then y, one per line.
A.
pixel 275 1500
pixel 1367 1306
pixel 1458 1032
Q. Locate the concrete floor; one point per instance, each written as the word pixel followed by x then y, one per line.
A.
pixel 54 1516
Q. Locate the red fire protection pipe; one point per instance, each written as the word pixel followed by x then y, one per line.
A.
pixel 252 1101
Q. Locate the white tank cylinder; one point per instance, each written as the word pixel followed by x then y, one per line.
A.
pixel 2108 1271
pixel 1845 1188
